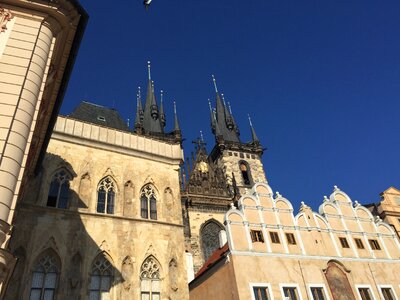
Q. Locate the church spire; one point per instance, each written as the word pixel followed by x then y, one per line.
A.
pixel 224 120
pixel 139 112
pixel 151 116
pixel 253 132
pixel 162 114
pixel 177 129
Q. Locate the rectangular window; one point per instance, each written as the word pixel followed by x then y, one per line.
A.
pixel 317 293
pixel 261 293
pixel 290 293
pixel 359 243
pixel 344 242
pixel 374 244
pixel 274 237
pixel 290 239
pixel 387 293
pixel 365 293
pixel 256 236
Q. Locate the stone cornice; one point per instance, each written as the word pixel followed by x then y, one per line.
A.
pixel 110 139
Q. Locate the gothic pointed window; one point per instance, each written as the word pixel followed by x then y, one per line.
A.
pixel 59 190
pixel 106 196
pixel 150 284
pixel 210 238
pixel 45 278
pixel 148 202
pixel 245 170
pixel 101 278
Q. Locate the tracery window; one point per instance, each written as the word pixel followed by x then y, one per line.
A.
pixel 150 279
pixel 210 238
pixel 106 196
pixel 245 170
pixel 59 190
pixel 45 278
pixel 100 278
pixel 148 202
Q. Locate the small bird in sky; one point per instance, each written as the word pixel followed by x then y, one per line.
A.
pixel 146 3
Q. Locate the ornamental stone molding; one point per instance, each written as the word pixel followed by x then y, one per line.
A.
pixel 5 17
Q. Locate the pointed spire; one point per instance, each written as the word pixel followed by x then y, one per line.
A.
pixel 201 136
pixel 139 112
pixel 176 122
pixel 162 114
pixel 212 116
pixel 151 118
pixel 253 132
pixel 228 130
pixel 215 83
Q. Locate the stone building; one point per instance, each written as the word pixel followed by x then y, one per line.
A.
pixel 388 208
pixel 342 252
pixel 102 219
pixel 39 41
pixel 215 181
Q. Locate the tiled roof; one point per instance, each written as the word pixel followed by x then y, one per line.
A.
pixel 213 259
pixel 100 115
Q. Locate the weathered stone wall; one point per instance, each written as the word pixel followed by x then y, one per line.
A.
pixel 80 231
pixel 193 244
pixel 229 161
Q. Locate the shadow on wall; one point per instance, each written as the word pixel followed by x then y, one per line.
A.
pixel 55 250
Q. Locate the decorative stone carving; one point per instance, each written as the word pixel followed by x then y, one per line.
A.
pixel 150 269
pixel 5 17
pixel 173 274
pixel 75 271
pixel 127 272
pixel 168 198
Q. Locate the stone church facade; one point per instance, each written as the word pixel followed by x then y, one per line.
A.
pixel 103 217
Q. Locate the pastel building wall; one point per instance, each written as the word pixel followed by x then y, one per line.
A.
pixel 38 44
pixel 342 251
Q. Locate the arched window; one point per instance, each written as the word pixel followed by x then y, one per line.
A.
pixel 210 238
pixel 45 278
pixel 59 190
pixel 101 277
pixel 106 196
pixel 150 279
pixel 245 170
pixel 148 202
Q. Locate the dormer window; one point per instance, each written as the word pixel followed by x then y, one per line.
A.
pixel 101 118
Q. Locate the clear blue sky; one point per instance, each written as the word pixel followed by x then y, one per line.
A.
pixel 321 80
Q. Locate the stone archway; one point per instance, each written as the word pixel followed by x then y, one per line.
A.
pixel 338 282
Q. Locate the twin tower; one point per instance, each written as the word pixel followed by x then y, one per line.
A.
pixel 240 161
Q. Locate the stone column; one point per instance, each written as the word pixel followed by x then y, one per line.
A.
pixel 16 138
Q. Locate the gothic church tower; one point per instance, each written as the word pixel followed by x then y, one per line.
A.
pixel 240 161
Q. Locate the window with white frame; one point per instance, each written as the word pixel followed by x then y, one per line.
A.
pixel 59 190
pixel 150 284
pixel 317 293
pixel 387 293
pixel 45 278
pixel 290 293
pixel 261 293
pixel 365 293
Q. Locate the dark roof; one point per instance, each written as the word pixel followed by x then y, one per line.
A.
pixel 213 259
pixel 100 115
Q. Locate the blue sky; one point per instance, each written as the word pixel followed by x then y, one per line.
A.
pixel 320 79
